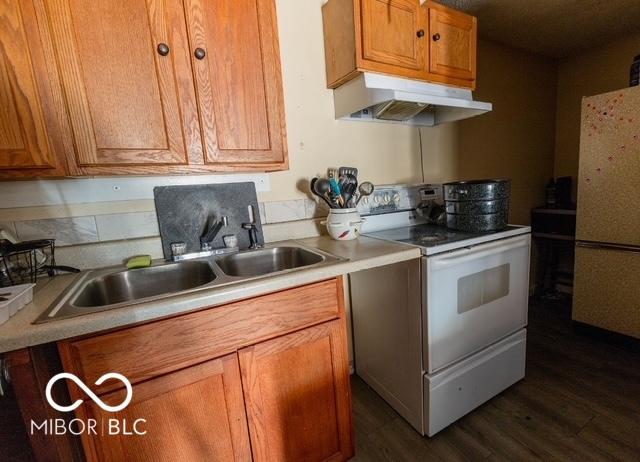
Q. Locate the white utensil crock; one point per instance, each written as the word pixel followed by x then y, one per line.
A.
pixel 344 224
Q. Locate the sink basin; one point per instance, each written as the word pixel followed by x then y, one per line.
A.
pixel 111 288
pixel 267 261
pixel 141 283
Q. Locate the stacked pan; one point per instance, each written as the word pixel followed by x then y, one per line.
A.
pixel 477 206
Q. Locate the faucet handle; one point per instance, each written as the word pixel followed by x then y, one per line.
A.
pixel 253 235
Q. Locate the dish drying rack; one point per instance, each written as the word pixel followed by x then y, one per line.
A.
pixel 23 262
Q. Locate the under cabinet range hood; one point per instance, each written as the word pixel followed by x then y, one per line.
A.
pixel 382 98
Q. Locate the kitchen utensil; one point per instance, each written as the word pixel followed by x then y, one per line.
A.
pixel 336 193
pixel 346 180
pixel 348 192
pixel 321 188
pixel 478 205
pixel 343 181
pixel 478 223
pixel 365 189
pixel 477 190
pixel 342 171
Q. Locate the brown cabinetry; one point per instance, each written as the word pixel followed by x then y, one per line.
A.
pixel 297 395
pixel 453 44
pixel 282 357
pixel 192 414
pixel 129 104
pixel 31 119
pixel 403 38
pixel 145 86
pixel 236 63
pixel 391 35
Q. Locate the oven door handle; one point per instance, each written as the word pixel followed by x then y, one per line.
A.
pixel 481 251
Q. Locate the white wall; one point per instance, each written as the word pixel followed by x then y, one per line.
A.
pixel 384 153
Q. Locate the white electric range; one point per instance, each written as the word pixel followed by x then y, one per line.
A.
pixel 439 336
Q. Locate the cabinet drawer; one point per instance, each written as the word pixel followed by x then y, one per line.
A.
pixel 153 349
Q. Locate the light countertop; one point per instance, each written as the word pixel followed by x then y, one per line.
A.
pixel 363 253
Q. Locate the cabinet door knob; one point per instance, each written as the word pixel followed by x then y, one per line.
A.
pixel 436 37
pixel 420 33
pixel 199 53
pixel 163 49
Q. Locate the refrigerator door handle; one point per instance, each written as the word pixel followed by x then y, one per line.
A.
pixel 602 246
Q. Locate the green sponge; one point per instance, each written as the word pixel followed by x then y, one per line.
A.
pixel 139 261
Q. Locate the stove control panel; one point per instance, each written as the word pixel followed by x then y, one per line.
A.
pixel 394 198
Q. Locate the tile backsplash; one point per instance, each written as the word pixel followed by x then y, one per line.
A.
pixel 66 231
pixel 117 226
pixel 104 238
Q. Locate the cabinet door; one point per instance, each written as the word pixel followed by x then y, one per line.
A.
pixel 239 85
pixel 131 100
pixel 453 41
pixel 393 32
pixel 297 395
pixel 191 415
pixel 30 130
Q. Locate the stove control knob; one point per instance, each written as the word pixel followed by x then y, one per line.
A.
pixel 386 198
pixel 376 199
pixel 365 200
pixel 396 198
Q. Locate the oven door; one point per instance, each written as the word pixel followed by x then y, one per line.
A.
pixel 473 298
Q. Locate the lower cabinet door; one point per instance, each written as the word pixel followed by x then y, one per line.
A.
pixel 194 414
pixel 297 396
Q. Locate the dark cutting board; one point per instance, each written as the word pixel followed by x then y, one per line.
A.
pixel 183 212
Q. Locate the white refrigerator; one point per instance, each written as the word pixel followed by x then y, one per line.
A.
pixel 607 261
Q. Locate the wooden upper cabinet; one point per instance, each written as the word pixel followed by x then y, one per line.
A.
pixel 453 42
pixel 297 396
pixel 130 102
pixel 32 114
pixel 236 63
pixel 393 33
pixel 145 87
pixel 194 414
pixel 402 38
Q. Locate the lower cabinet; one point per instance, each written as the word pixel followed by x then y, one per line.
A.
pixel 193 414
pixel 297 396
pixel 264 379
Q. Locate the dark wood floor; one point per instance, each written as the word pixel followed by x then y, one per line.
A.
pixel 580 401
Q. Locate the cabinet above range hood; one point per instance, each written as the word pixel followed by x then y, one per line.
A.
pixel 382 98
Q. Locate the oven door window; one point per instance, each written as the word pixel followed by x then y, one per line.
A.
pixel 484 287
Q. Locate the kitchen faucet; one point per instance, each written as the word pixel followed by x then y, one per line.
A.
pixel 211 232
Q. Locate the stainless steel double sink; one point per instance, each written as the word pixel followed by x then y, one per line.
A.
pixel 110 288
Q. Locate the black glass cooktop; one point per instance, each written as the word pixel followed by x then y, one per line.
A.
pixel 428 235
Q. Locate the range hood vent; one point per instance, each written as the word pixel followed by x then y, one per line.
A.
pixel 399 111
pixel 381 98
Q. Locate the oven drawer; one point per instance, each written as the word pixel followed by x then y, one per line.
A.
pixel 459 389
pixel 474 297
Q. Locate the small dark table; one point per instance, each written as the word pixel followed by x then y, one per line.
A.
pixel 554 231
